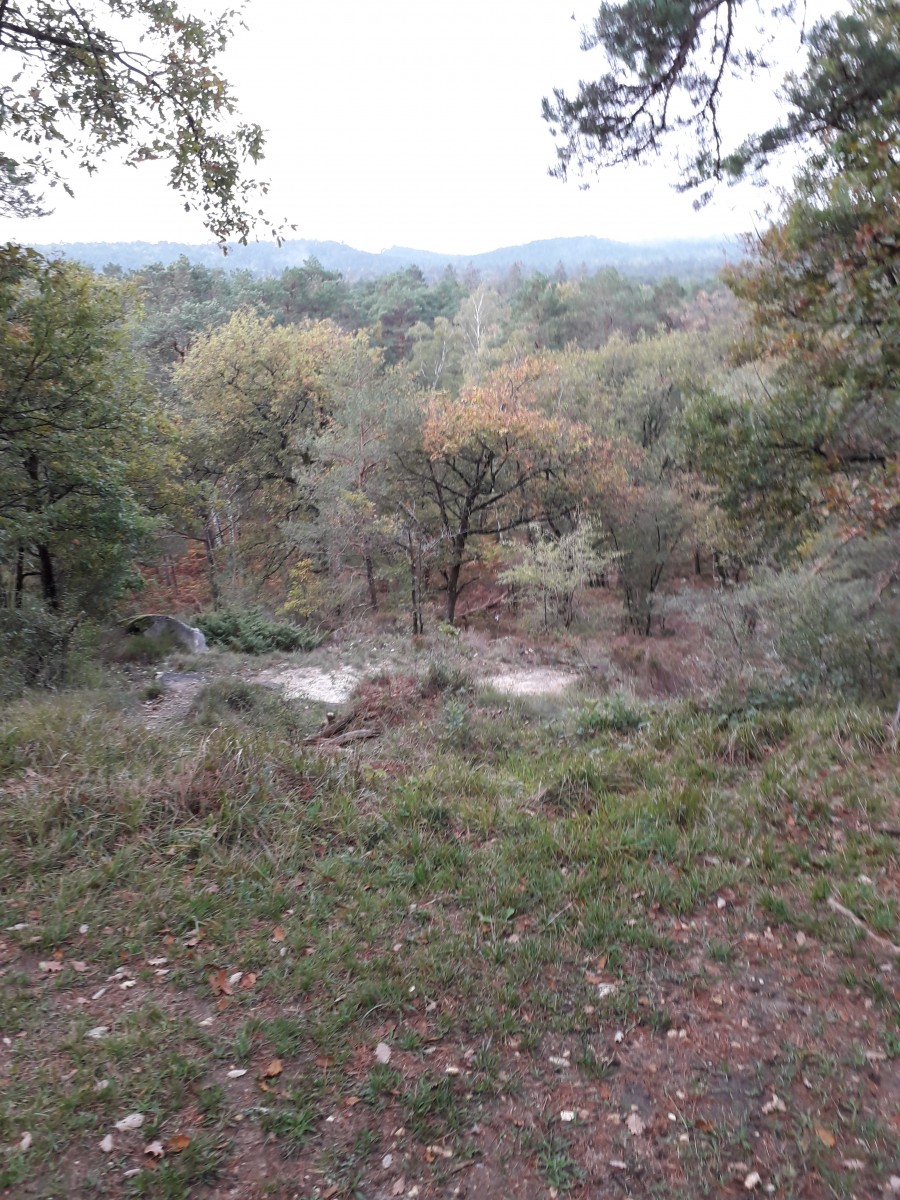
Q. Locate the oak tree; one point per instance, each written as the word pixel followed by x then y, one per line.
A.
pixel 138 77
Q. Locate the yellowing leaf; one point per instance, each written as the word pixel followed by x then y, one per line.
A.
pixel 825 1136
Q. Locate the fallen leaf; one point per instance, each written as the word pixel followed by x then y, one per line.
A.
pixel 236 1072
pixel 177 1143
pixel 99 1031
pixel 154 1149
pixel 248 980
pixel 273 1069
pixel 277 934
pixel 52 966
pixel 634 1124
pixel 825 1136
pixel 25 1142
pixel 80 967
pixel 107 1144
pixel 752 1181
pixel 132 1121
pixel 219 982
pixel 351 1101
pixel 774 1105
pixel 383 1053
pixel 399 1187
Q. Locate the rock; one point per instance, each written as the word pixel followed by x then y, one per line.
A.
pixel 158 625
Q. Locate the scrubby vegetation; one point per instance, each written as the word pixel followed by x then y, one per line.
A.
pixel 529 825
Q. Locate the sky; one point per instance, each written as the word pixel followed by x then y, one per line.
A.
pixel 416 124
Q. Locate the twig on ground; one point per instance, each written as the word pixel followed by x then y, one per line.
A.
pixel 884 942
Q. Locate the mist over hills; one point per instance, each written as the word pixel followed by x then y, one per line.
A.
pixel 696 259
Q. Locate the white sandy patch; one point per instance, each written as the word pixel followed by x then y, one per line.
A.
pixel 541 681
pixel 312 683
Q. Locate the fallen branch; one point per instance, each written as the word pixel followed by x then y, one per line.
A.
pixel 352 735
pixel 884 942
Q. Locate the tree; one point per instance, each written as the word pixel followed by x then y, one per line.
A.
pixel 346 484
pixel 80 446
pixel 669 68
pixel 494 459
pixel 815 443
pixel 257 401
pixel 553 570
pixel 142 79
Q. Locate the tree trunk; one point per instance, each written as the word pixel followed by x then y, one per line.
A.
pixel 370 575
pixel 211 564
pixel 415 580
pixel 453 588
pixel 697 570
pixel 49 588
pixel 20 576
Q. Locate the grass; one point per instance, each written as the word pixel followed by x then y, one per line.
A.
pixel 266 901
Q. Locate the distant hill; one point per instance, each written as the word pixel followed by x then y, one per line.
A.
pixel 696 259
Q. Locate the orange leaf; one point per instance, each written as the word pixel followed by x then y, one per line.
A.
pixel 248 979
pixel 177 1143
pixel 273 1069
pixel 218 981
pixel 825 1136
pixel 277 934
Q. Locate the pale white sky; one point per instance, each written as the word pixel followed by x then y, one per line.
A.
pixel 409 123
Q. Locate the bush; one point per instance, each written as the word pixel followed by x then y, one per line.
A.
pixel 35 648
pixel 248 631
pixel 613 714
pixel 831 633
pixel 143 650
pixel 445 676
pixel 249 704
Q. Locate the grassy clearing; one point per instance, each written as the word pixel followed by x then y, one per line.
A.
pixel 570 907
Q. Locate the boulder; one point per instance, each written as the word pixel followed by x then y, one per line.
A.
pixel 158 625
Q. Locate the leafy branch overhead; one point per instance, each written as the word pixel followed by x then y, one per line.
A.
pixel 669 68
pixel 135 76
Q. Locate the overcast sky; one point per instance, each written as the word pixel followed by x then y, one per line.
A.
pixel 410 123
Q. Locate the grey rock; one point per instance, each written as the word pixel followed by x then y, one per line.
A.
pixel 158 625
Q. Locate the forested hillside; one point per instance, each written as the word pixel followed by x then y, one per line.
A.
pixel 692 260
pixel 448 709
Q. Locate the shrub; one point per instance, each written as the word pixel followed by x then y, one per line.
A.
pixel 445 676
pixel 249 631
pixel 614 714
pixel 249 704
pixel 830 633
pixel 35 648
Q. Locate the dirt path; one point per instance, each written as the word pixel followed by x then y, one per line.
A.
pixel 335 686
pixel 538 681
